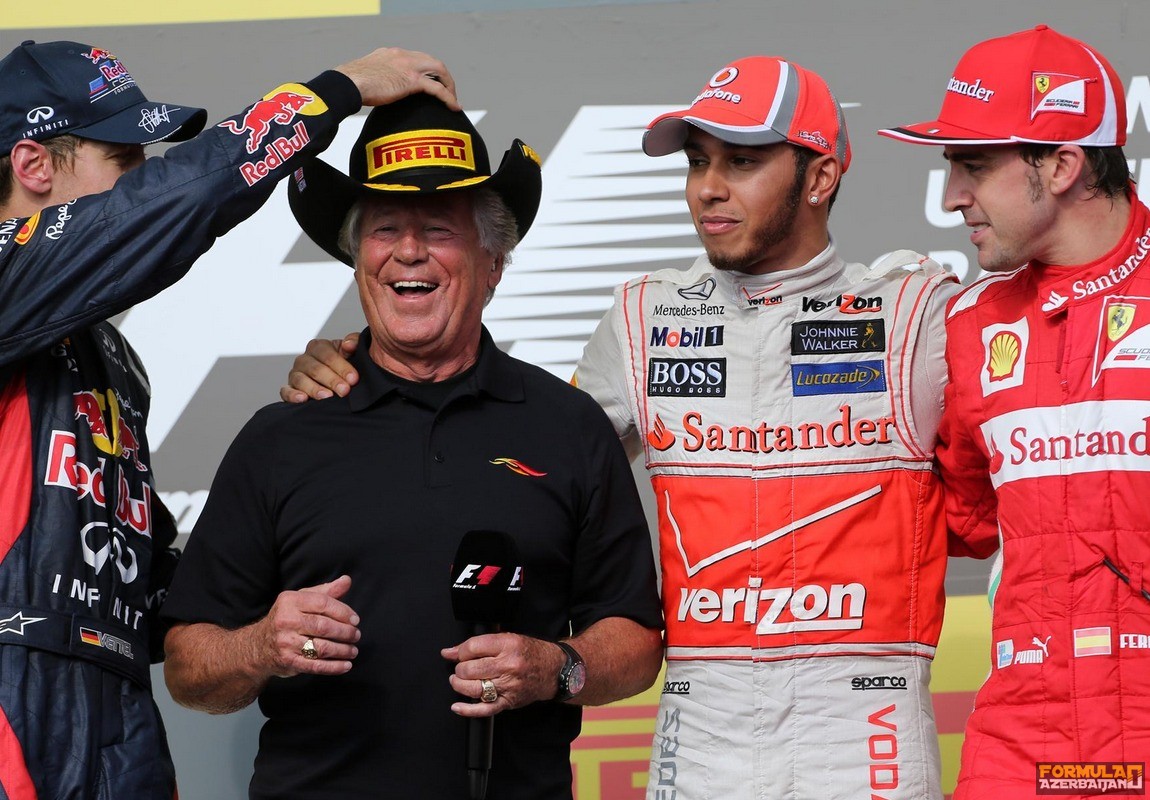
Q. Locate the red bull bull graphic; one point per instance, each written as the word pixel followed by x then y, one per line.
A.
pixel 90 409
pixel 129 445
pixel 111 434
pixel 280 107
pixel 96 55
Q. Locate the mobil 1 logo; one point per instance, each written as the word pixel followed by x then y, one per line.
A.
pixel 687 377
pixel 849 336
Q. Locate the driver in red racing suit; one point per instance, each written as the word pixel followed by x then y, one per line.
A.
pixel 785 403
pixel 85 556
pixel 1044 447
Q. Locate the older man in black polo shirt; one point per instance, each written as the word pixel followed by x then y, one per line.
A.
pixel 317 577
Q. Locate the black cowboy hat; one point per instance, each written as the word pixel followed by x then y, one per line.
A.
pixel 414 146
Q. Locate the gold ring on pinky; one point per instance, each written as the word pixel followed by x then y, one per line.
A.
pixel 308 650
pixel 489 694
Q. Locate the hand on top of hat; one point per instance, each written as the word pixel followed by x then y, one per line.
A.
pixel 391 73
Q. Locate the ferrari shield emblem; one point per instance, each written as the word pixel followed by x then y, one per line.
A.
pixel 1042 83
pixel 1118 320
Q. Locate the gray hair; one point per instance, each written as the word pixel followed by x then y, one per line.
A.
pixel 498 230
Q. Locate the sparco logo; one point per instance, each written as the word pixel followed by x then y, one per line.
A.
pixel 677 687
pixel 687 377
pixel 846 303
pixel 687 337
pixel 838 607
pixel 867 683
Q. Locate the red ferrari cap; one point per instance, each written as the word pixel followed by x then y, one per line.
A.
pixel 1032 86
pixel 758 101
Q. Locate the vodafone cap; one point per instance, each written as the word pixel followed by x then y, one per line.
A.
pixel 756 101
pixel 1032 86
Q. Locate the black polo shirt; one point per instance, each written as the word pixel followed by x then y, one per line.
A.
pixel 382 485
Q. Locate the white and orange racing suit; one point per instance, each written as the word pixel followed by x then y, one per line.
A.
pixel 788 423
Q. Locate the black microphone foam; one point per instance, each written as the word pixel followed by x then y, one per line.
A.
pixel 486 583
pixel 487 580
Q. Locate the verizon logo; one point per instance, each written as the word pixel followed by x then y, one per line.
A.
pixel 838 607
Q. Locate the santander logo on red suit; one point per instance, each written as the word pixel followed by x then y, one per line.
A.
pixel 1090 436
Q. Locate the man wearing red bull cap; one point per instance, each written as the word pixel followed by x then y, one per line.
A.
pixel 91 229
pixel 1043 446
pixel 786 404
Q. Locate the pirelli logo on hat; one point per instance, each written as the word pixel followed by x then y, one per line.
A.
pixel 410 149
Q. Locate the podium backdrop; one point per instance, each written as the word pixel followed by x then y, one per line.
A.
pixel 577 81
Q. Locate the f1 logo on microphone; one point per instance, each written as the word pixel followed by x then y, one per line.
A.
pixel 469 579
pixel 474 576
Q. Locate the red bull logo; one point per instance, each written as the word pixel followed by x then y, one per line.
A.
pixel 67 471
pixel 90 408
pixel 276 153
pixel 114 70
pixel 129 445
pixel 280 108
pixel 96 55
pixel 102 416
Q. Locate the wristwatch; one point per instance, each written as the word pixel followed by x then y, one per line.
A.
pixel 573 675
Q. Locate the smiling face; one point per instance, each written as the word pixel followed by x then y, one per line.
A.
pixel 423 280
pixel 746 205
pixel 1005 202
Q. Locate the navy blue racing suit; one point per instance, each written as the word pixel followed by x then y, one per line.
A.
pixel 85 543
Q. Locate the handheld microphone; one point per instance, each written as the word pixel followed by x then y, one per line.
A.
pixel 487 580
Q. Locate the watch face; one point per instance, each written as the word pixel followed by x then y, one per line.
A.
pixel 576 679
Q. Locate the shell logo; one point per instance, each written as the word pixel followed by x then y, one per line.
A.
pixel 1005 348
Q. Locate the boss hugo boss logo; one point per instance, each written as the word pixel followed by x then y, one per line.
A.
pixel 687 377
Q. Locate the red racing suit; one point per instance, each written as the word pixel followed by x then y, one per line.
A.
pixel 788 423
pixel 1045 450
pixel 84 541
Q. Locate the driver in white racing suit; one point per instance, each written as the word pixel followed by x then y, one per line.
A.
pixel 786 404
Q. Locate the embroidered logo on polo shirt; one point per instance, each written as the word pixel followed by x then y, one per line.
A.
pixel 518 467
